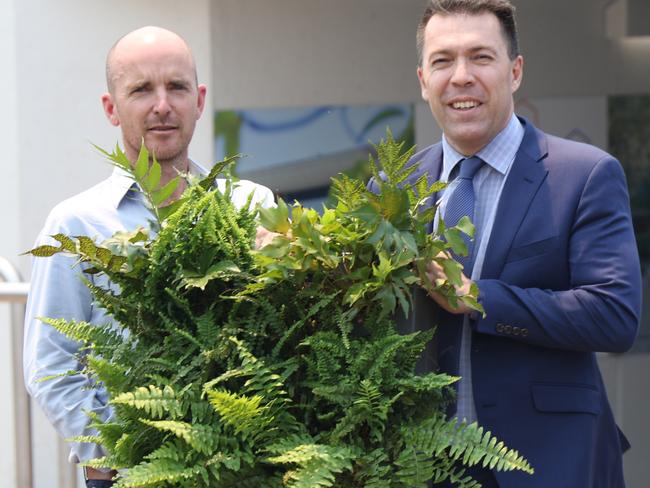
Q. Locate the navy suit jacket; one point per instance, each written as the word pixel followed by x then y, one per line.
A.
pixel 561 280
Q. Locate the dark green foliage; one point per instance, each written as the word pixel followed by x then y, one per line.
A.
pixel 278 367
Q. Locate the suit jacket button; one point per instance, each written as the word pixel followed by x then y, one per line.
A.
pixel 500 328
pixel 508 329
pixel 516 331
pixel 524 332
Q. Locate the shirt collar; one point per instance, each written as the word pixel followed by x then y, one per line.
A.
pixel 121 183
pixel 499 153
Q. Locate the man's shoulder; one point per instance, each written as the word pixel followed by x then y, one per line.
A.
pixel 427 153
pixel 569 148
pixel 558 149
pixel 85 201
pixel 73 213
pixel 242 189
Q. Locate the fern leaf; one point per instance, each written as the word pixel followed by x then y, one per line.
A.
pixel 156 473
pixel 153 400
pixel 317 464
pixel 245 415
pixel 200 437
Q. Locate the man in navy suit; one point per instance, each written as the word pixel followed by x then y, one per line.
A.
pixel 554 258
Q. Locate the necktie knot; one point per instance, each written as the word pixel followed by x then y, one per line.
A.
pixel 469 167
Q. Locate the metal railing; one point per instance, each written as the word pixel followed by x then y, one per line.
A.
pixel 14 291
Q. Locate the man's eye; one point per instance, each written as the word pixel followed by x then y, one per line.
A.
pixel 139 89
pixel 437 62
pixel 178 86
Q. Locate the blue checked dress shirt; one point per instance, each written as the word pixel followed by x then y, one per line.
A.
pixel 498 155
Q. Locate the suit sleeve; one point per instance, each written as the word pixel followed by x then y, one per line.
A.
pixel 600 308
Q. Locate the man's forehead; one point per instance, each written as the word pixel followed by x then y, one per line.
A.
pixel 153 63
pixel 149 51
pixel 451 31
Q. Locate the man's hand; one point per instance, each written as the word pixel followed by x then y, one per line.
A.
pixel 435 272
pixel 264 237
pixel 96 474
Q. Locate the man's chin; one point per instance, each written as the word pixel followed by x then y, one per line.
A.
pixel 164 153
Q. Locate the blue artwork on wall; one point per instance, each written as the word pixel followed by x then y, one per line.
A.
pixel 295 151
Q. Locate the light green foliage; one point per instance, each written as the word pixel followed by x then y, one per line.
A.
pixel 278 367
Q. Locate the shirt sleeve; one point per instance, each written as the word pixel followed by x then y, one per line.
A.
pixel 57 291
pixel 261 194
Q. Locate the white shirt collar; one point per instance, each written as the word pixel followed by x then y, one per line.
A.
pixel 121 182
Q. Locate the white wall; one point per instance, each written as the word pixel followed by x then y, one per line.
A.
pixel 9 222
pixel 9 196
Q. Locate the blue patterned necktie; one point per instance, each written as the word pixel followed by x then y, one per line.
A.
pixel 461 204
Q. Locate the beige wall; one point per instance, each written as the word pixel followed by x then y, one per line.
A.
pixel 310 52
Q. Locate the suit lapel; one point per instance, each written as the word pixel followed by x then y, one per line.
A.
pixel 523 181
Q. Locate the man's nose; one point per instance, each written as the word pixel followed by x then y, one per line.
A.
pixel 162 106
pixel 462 73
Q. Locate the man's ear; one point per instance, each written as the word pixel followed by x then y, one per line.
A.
pixel 110 109
pixel 424 91
pixel 200 102
pixel 517 72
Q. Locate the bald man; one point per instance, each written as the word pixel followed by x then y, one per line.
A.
pixel 153 96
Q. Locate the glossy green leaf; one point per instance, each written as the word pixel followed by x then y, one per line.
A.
pixel 142 163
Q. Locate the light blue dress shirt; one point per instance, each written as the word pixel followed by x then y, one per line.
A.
pixel 499 155
pixel 57 291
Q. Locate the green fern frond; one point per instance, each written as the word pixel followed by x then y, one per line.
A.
pixel 473 444
pixel 160 472
pixel 84 332
pixel 113 375
pixel 317 464
pixel 245 415
pixel 153 400
pixel 202 438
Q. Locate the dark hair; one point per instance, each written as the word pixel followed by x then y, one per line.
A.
pixel 502 9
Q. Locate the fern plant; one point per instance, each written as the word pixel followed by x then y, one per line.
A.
pixel 283 366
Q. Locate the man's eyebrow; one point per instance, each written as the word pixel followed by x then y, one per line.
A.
pixel 482 48
pixel 137 84
pixel 180 81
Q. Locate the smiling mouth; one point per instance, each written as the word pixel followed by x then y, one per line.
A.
pixel 465 105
